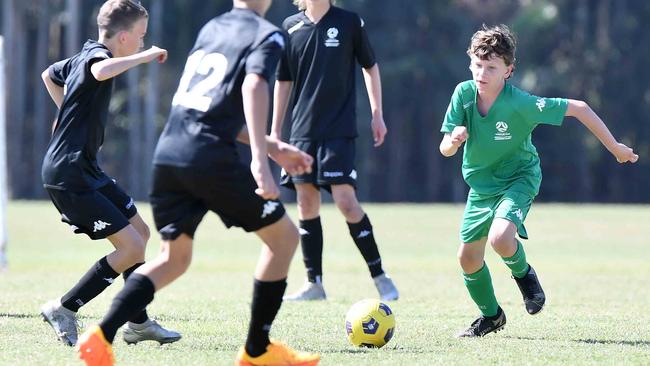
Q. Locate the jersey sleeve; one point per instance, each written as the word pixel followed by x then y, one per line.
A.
pixel 455 115
pixel 58 72
pixel 284 71
pixel 362 49
pixel 538 110
pixel 263 60
pixel 95 56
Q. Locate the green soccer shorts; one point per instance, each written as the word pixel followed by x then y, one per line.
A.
pixel 481 210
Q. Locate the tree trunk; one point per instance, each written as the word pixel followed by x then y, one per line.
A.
pixel 73 30
pixel 42 115
pixel 16 77
pixel 134 110
pixel 152 98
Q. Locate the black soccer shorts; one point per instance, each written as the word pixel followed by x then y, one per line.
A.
pixel 181 196
pixel 96 213
pixel 333 164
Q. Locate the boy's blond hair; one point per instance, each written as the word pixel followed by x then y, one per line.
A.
pixel 119 15
pixel 496 41
pixel 302 4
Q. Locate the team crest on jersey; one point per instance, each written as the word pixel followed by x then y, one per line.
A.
pixel 332 41
pixel 502 133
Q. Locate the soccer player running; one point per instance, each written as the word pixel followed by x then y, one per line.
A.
pixel 88 200
pixel 318 72
pixel 500 164
pixel 197 169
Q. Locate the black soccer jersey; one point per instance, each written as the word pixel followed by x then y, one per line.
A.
pixel 321 63
pixel 71 158
pixel 207 112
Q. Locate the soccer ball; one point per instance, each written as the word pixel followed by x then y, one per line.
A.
pixel 369 323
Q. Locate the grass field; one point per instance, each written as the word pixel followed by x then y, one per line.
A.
pixel 593 261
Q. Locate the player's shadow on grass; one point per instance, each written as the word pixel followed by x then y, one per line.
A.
pixel 396 349
pixel 19 316
pixel 611 341
pixel 632 343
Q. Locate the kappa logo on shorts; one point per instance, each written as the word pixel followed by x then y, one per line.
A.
pixel 541 103
pixel 332 174
pixel 269 208
pixel 353 174
pixel 100 225
pixel 519 214
pixel 130 204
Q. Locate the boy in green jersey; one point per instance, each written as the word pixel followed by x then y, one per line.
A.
pixel 500 164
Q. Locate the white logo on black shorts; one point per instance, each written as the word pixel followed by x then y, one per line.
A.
pixel 269 208
pixel 100 225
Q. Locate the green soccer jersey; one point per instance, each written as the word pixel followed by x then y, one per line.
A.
pixel 499 154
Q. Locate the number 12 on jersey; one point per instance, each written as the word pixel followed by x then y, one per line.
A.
pixel 212 67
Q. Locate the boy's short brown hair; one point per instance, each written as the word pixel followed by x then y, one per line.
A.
pixel 119 15
pixel 496 41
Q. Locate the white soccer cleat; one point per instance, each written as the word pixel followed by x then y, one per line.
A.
pixel 62 320
pixel 310 291
pixel 150 330
pixel 386 288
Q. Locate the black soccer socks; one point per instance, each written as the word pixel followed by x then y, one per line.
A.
pixel 311 242
pixel 98 277
pixel 267 298
pixel 137 293
pixel 363 237
pixel 142 316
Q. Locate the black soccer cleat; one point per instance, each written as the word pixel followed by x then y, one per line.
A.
pixel 532 292
pixel 485 325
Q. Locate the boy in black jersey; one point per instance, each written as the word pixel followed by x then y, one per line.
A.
pixel 88 200
pixel 317 70
pixel 197 169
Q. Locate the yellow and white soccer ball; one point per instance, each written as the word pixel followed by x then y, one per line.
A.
pixel 370 323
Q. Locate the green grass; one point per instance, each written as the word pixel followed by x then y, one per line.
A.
pixel 593 261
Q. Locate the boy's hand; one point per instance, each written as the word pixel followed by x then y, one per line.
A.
pixel 624 154
pixel 291 159
pixel 155 53
pixel 378 130
pixel 266 187
pixel 458 135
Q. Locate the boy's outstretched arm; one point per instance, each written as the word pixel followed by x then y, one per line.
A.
pixel 111 67
pixel 55 91
pixel 590 119
pixel 373 86
pixel 452 141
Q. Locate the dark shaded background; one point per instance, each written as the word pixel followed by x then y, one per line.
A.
pixel 595 50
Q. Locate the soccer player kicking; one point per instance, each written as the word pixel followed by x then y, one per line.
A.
pixel 88 200
pixel 197 169
pixel 318 72
pixel 500 164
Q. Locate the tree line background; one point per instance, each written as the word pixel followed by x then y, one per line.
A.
pixel 595 50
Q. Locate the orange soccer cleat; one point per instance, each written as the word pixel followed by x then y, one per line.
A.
pixel 94 349
pixel 277 354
